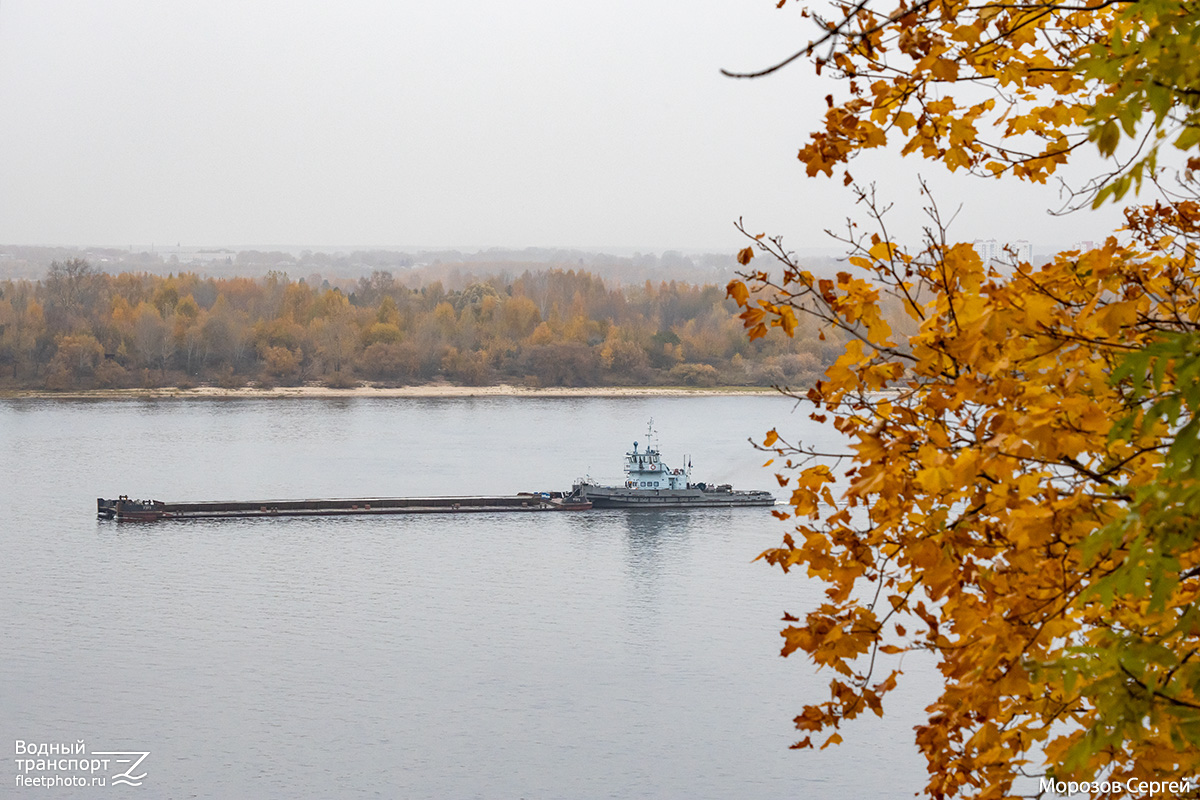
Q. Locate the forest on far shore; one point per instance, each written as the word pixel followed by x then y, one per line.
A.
pixel 81 328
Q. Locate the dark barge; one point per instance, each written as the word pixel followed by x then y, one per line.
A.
pixel 123 509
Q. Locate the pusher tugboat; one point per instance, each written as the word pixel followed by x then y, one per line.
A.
pixel 650 483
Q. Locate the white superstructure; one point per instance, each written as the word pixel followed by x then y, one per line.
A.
pixel 645 469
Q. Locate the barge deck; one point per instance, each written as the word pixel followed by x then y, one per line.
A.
pixel 124 509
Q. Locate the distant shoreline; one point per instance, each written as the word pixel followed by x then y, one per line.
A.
pixel 430 390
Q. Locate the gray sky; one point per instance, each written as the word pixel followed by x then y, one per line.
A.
pixel 455 123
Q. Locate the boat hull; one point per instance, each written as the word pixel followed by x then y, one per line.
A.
pixel 620 497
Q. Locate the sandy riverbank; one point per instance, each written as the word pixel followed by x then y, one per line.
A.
pixel 425 390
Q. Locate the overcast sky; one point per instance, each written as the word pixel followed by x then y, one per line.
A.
pixel 454 123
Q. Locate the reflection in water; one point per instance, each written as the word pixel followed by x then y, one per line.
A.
pixel 656 544
pixel 653 539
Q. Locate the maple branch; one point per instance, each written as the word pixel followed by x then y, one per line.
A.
pixel 1155 692
pixel 823 312
pixel 832 35
pixel 838 30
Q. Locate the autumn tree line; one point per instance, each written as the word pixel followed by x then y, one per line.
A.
pixel 81 328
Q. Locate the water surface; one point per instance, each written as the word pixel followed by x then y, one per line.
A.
pixel 599 654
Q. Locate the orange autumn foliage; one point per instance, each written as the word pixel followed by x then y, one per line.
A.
pixel 1021 478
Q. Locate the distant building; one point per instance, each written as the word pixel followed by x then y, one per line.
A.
pixel 992 251
pixel 988 249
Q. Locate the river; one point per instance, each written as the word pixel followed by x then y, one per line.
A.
pixel 560 655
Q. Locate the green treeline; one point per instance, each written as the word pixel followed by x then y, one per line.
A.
pixel 79 328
